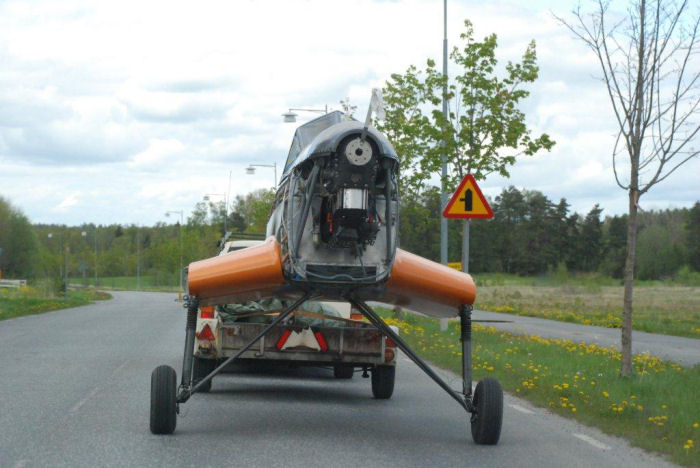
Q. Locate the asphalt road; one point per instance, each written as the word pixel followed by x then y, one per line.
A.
pixel 75 392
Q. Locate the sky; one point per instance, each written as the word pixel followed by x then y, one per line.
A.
pixel 117 112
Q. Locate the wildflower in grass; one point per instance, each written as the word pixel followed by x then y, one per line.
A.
pixel 696 425
pixel 606 394
pixel 688 444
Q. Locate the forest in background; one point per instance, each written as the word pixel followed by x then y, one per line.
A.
pixel 529 235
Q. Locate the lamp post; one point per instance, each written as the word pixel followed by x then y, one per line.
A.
pixel 167 214
pixel 225 196
pixel 443 194
pixel 95 256
pixel 64 274
pixel 291 117
pixel 83 265
pixel 251 169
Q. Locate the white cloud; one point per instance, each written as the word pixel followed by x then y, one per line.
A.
pixel 120 111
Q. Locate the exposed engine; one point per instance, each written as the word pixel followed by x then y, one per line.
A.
pixel 336 211
pixel 347 214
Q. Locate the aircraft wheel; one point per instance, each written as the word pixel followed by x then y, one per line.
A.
pixel 163 400
pixel 383 381
pixel 488 417
pixel 202 368
pixel 343 372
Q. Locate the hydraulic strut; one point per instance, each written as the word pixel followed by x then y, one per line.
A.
pixel 192 306
pixel 465 321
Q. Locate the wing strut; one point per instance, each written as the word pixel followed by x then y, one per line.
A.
pixel 465 398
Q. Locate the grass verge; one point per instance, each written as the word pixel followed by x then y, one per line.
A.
pixel 658 308
pixel 29 301
pixel 656 409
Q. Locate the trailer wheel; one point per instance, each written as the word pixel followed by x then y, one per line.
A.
pixel 343 372
pixel 163 400
pixel 202 368
pixel 487 419
pixel 383 381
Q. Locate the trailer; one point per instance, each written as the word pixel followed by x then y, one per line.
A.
pixel 321 334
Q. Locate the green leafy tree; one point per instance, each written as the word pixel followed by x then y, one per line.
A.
pixel 615 239
pixel 254 209
pixel 484 130
pixel 420 223
pixel 693 236
pixel 18 243
pixel 592 239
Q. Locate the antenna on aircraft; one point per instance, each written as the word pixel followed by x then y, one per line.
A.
pixel 376 105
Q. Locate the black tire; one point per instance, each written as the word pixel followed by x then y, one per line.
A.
pixel 343 372
pixel 163 400
pixel 487 419
pixel 383 381
pixel 202 368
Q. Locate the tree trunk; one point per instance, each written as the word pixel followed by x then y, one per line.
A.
pixel 627 368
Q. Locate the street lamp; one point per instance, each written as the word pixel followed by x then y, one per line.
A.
pixel 65 263
pixel 83 265
pixel 291 116
pixel 167 215
pixel 251 169
pixel 84 234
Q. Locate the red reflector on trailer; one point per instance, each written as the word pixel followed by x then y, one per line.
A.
pixel 390 343
pixel 207 312
pixel 321 341
pixel 283 339
pixel 389 355
pixel 206 333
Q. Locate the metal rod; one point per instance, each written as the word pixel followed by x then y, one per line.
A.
pixel 186 392
pixel 443 156
pixel 465 320
pixel 384 328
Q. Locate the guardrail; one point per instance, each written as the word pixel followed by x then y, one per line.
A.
pixel 12 283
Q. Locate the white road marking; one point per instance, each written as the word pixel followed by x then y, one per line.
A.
pixel 521 409
pixel 121 366
pixel 77 406
pixel 596 443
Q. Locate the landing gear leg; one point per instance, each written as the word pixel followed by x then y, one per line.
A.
pixel 386 330
pixel 487 400
pixel 188 357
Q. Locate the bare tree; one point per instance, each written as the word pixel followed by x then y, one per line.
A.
pixel 649 63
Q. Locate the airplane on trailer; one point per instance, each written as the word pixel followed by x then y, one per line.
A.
pixel 332 236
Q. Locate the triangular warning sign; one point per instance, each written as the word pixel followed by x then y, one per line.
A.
pixel 468 202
